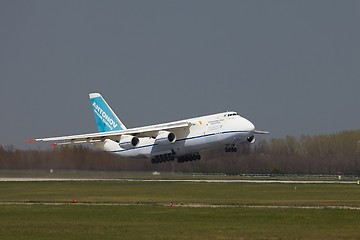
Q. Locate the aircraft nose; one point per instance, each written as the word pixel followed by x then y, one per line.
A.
pixel 248 126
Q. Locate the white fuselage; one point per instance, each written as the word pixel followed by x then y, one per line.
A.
pixel 207 132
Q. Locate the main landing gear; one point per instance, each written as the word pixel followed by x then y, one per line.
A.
pixel 189 157
pixel 163 158
pixel 171 157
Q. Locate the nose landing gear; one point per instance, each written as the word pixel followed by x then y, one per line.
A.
pixel 231 148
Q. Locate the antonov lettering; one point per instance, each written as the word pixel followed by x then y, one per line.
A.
pixel 104 117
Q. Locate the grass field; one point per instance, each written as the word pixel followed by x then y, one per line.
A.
pixel 141 210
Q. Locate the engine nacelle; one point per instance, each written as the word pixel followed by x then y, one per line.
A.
pixel 251 139
pixel 165 137
pixel 128 141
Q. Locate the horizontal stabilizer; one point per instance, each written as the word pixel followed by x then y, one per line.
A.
pixel 261 132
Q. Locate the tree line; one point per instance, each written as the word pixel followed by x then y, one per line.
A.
pixel 321 154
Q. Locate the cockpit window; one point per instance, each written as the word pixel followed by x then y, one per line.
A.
pixel 232 114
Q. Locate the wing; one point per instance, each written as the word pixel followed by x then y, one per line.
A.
pixel 147 131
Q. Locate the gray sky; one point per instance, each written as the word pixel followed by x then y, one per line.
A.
pixel 291 67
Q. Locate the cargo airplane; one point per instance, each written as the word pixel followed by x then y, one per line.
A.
pixel 180 140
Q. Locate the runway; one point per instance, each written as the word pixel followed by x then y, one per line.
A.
pixel 184 205
pixel 174 204
pixel 174 180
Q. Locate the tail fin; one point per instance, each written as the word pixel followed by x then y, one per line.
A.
pixel 106 119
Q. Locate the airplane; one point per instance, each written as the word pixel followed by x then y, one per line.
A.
pixel 179 140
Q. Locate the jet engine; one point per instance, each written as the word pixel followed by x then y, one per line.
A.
pixel 165 137
pixel 128 141
pixel 251 139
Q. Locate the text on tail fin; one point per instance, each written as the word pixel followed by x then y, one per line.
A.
pixel 106 119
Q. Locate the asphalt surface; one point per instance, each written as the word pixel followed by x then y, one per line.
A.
pixel 175 180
